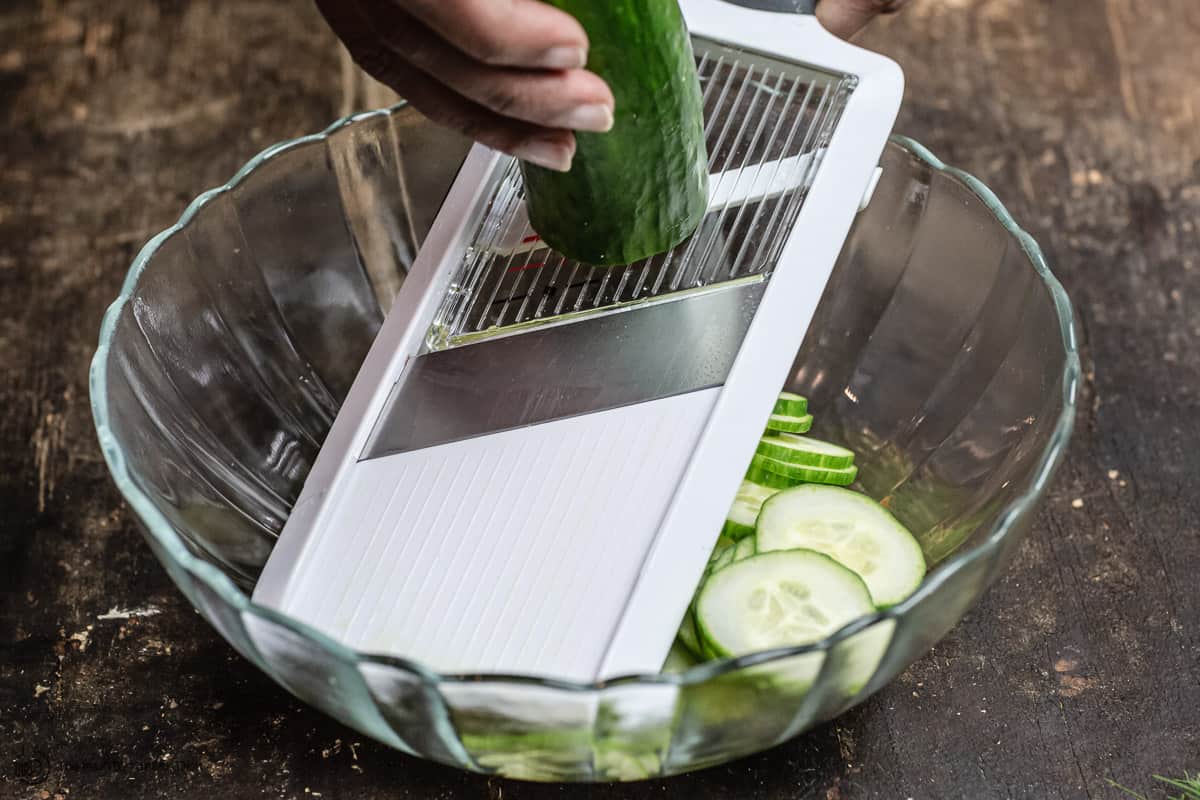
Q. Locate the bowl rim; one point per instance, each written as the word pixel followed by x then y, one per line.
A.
pixel 157 525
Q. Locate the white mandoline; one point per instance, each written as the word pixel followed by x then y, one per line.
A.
pixel 536 457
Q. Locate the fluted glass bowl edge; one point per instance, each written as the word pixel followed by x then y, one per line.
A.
pixel 158 527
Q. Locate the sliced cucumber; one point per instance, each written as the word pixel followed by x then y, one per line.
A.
pixel 776 600
pixel 832 477
pixel 791 405
pixel 849 527
pixel 801 474
pixel 744 549
pixel 805 451
pixel 744 512
pixel 765 477
pixel 687 634
pixel 725 553
pixel 722 555
pixel 680 658
pixel 780 423
pixel 736 530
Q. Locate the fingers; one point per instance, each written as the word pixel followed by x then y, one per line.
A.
pixel 514 33
pixel 547 147
pixel 847 17
pixel 573 99
pixel 550 148
pixel 529 113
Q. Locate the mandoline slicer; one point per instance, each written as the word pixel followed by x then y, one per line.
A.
pixel 536 457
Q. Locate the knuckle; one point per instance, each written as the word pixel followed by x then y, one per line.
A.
pixel 487 49
pixel 503 97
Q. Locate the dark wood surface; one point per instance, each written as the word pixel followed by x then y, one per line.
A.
pixel 1082 664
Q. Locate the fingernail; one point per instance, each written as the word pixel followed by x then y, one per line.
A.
pixel 564 58
pixel 597 118
pixel 551 155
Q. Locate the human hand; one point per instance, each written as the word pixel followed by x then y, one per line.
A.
pixel 507 73
pixel 847 17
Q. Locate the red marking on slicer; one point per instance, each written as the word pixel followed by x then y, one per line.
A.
pixel 524 267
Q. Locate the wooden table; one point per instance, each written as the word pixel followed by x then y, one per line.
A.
pixel 1082 664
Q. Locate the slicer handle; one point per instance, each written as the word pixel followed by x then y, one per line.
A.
pixel 787 6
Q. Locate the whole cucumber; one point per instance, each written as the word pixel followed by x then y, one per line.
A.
pixel 642 187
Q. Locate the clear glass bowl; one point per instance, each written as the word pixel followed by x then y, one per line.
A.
pixel 943 352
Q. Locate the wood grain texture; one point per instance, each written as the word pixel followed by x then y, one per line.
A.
pixel 1082 664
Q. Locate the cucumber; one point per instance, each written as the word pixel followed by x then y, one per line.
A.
pixel 778 599
pixel 687 634
pixel 765 477
pixel 736 530
pixel 642 187
pixel 724 559
pixel 680 658
pixel 722 554
pixel 744 511
pixel 791 405
pixel 849 527
pixel 805 451
pixel 784 424
pixel 744 549
pixel 798 473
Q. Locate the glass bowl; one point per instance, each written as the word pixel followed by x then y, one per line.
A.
pixel 943 351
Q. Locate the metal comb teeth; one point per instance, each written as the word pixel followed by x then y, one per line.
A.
pixel 766 124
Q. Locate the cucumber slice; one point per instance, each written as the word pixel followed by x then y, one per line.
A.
pixel 776 600
pixel 736 530
pixel 791 405
pixel 744 549
pixel 765 477
pixel 805 451
pixel 722 555
pixel 687 634
pixel 679 658
pixel 849 527
pixel 780 423
pixel 744 512
pixel 801 474
pixel 831 477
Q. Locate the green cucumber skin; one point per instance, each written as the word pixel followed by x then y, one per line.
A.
pixel 791 405
pixel 777 448
pixel 688 635
pixel 642 187
pixel 772 480
pixel 736 530
pixel 804 425
pixel 745 548
pixel 799 473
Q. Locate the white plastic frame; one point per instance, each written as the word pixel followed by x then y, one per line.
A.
pixel 797 282
pixel 678 555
